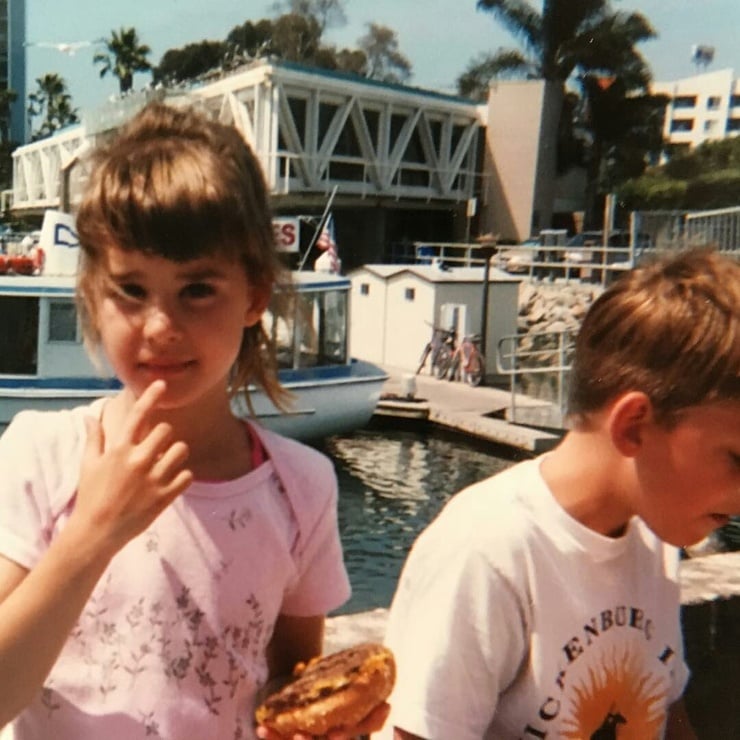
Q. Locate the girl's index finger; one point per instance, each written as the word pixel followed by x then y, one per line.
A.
pixel 142 407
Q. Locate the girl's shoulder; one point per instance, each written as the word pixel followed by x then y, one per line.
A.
pixel 44 448
pixel 295 462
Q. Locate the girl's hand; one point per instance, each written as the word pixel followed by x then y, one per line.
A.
pixel 372 723
pixel 127 481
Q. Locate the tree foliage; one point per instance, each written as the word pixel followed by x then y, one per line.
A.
pixel 124 56
pixel 295 36
pixel 588 41
pixel 326 13
pixel 189 62
pixel 53 103
pixel 384 60
pixel 706 177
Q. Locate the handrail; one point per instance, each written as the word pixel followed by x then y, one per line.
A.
pixel 550 355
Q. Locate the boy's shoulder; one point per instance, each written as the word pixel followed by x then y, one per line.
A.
pixel 500 512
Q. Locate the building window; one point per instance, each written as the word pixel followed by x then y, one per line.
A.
pixel 409 294
pixel 364 288
pixel 684 101
pixel 710 126
pixel 713 102
pixel 733 124
pixel 682 124
pixel 62 322
pixel 734 101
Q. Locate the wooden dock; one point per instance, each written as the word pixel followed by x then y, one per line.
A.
pixel 479 412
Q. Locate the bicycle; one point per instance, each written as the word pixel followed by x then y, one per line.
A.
pixel 440 347
pixel 466 362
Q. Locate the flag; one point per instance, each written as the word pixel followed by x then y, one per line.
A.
pixel 326 238
pixel 326 242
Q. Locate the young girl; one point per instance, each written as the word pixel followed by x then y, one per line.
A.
pixel 161 560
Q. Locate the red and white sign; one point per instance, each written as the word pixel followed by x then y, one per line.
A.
pixel 287 233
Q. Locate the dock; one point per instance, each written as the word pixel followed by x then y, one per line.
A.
pixel 479 412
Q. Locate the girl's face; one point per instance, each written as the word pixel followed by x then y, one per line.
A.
pixel 181 322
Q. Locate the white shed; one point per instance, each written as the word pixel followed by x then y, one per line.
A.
pixel 395 306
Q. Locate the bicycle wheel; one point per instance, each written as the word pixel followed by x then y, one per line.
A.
pixel 475 369
pixel 444 360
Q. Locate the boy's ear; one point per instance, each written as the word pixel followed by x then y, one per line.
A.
pixel 259 300
pixel 628 418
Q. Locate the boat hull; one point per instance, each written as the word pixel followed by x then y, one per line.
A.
pixel 325 401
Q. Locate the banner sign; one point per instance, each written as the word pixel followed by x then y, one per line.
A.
pixel 287 233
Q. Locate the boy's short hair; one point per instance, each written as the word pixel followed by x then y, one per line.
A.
pixel 670 329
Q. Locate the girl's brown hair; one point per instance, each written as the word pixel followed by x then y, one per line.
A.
pixel 670 329
pixel 177 184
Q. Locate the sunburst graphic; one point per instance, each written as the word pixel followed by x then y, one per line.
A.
pixel 618 700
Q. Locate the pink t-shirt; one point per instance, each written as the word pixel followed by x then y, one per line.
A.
pixel 171 644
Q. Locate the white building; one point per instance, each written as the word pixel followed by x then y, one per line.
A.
pixel 394 305
pixel 705 107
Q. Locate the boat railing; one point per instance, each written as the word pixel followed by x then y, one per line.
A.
pixel 538 366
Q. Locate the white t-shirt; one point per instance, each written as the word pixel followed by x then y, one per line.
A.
pixel 171 643
pixel 513 620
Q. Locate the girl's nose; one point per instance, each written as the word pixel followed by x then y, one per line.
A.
pixel 161 325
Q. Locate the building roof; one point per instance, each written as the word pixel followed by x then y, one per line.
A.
pixel 433 274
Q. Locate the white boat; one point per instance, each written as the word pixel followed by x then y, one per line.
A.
pixel 44 365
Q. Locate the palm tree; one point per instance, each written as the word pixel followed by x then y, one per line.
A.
pixel 567 37
pixel 123 57
pixel 52 101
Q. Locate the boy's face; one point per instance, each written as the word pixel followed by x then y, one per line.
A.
pixel 182 322
pixel 689 474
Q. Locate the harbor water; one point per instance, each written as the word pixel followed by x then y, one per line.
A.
pixel 392 483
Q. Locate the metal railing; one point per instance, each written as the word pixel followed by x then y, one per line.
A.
pixel 538 366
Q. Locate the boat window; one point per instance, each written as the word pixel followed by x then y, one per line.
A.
pixel 63 322
pixel 311 331
pixel 19 317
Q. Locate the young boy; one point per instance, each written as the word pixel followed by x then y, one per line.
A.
pixel 544 602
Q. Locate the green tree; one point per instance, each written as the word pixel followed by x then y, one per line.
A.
pixel 296 38
pixel 53 103
pixel 567 37
pixel 124 55
pixel 326 13
pixel 384 60
pixel 250 40
pixel 190 61
pixel 7 98
pixel 626 126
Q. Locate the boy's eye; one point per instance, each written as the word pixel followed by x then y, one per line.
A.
pixel 198 290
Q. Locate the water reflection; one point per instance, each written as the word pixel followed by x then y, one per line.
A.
pixel 392 483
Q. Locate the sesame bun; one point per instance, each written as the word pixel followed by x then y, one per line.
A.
pixel 334 691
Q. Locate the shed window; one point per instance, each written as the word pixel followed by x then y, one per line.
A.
pixel 410 294
pixel 364 288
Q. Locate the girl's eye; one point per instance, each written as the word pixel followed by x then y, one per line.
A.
pixel 198 290
pixel 132 290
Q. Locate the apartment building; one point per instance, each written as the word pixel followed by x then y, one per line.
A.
pixel 704 107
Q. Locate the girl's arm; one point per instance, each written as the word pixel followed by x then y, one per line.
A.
pixel 294 640
pixel 124 485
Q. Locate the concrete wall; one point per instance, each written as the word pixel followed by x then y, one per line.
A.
pixel 520 158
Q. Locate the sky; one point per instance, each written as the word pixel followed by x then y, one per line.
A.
pixel 439 37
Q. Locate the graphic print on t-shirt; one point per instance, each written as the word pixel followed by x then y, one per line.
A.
pixel 613 681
